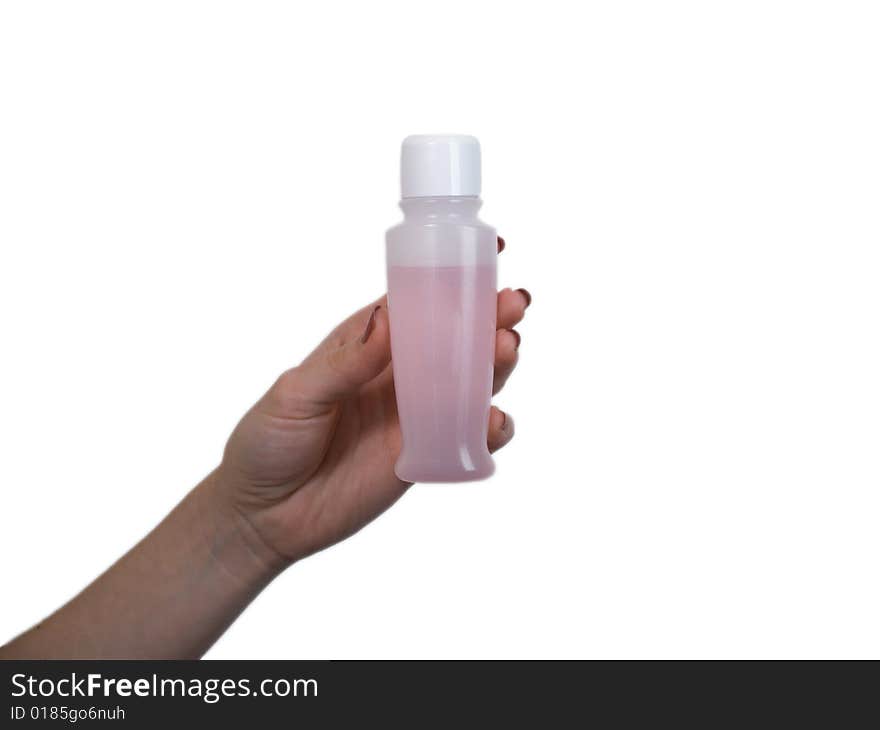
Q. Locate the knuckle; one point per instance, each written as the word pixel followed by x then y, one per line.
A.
pixel 288 395
pixel 289 380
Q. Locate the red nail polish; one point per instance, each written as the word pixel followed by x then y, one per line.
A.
pixel 526 294
pixel 371 325
pixel 518 339
pixel 501 244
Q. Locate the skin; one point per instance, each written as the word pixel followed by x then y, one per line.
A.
pixel 310 464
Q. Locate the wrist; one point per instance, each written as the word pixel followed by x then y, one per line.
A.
pixel 235 542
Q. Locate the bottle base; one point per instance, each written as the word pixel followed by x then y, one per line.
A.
pixel 443 473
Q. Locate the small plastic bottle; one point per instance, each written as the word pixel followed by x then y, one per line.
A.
pixel 442 300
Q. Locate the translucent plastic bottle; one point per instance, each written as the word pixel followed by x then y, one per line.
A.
pixel 442 302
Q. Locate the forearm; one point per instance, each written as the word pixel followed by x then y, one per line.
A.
pixel 170 597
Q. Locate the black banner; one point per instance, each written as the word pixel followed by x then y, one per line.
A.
pixel 457 693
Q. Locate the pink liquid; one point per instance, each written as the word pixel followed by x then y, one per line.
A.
pixel 443 344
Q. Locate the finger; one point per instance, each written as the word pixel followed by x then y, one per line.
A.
pixel 338 368
pixel 506 346
pixel 501 244
pixel 512 307
pixel 500 429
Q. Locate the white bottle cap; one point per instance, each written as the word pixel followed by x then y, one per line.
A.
pixel 439 165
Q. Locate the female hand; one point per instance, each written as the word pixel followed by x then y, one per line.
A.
pixel 309 464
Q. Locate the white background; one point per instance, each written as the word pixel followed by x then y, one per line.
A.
pixel 192 194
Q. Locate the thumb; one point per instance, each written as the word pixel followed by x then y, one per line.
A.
pixel 337 369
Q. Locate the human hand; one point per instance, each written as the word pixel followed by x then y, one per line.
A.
pixel 313 461
pixel 308 465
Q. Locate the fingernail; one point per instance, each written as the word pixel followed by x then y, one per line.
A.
pixel 503 419
pixel 518 339
pixel 371 325
pixel 501 244
pixel 526 294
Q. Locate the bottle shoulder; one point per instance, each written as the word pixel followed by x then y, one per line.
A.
pixel 409 226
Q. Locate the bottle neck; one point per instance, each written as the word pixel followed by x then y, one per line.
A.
pixel 446 207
